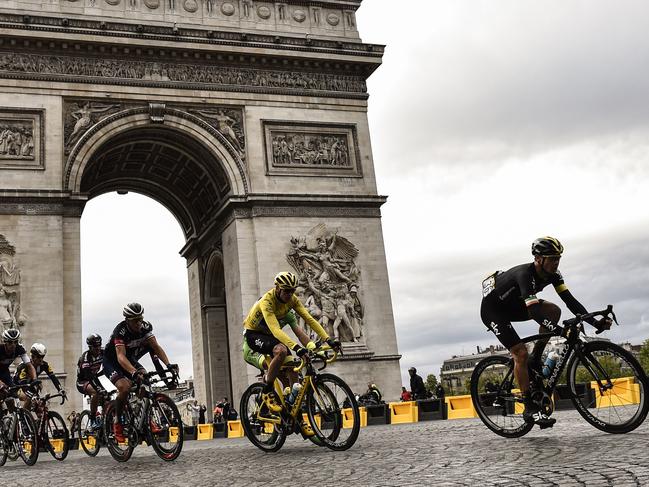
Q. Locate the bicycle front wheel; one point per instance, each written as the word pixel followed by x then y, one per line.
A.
pixel 608 387
pixel 88 436
pixel 57 441
pixel 500 409
pixel 333 412
pixel 165 427
pixel 26 437
pixel 119 451
pixel 265 434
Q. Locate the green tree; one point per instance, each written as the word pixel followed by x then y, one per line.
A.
pixel 644 355
pixel 431 382
pixel 611 365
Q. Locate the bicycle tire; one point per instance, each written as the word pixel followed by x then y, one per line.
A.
pixel 497 409
pixel 257 430
pixel 619 402
pixel 164 413
pixel 90 442
pixel 119 453
pixel 56 429
pixel 4 440
pixel 325 404
pixel 26 437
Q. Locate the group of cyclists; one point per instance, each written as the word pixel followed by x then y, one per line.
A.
pixel 509 296
pixel 131 340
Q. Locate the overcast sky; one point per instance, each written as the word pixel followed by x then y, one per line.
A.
pixel 490 127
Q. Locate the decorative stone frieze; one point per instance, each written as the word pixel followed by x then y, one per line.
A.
pixel 311 149
pixel 21 138
pixel 175 75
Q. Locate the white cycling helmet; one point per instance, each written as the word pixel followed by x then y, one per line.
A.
pixel 39 349
pixel 11 335
pixel 133 310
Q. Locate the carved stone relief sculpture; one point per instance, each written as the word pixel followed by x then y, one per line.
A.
pixel 311 149
pixel 227 122
pixel 10 312
pixel 325 263
pixel 21 132
pixel 80 116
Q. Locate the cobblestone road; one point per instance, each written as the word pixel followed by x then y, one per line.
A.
pixel 459 452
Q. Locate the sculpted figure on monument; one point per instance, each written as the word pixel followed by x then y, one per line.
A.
pixel 325 261
pixel 85 116
pixel 309 149
pixel 227 125
pixel 16 140
pixel 10 315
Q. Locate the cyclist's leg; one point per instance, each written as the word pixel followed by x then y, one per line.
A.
pixel 548 320
pixel 268 345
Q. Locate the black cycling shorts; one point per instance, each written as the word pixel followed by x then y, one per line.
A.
pixel 5 376
pixel 261 342
pixel 115 372
pixel 500 321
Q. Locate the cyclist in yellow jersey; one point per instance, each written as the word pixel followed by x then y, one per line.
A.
pixel 263 332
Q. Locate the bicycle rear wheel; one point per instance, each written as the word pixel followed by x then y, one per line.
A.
pixel 88 437
pixel 119 451
pixel 57 441
pixel 497 406
pixel 264 434
pixel 613 392
pixel 26 437
pixel 334 424
pixel 165 428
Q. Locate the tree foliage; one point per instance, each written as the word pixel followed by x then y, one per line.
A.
pixel 431 382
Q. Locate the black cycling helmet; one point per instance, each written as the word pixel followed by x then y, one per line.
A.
pixel 547 247
pixel 93 340
pixel 286 280
pixel 10 335
pixel 133 310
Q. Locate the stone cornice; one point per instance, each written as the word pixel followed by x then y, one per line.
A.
pixel 41 202
pixel 183 35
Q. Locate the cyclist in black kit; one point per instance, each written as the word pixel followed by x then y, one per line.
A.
pixel 88 370
pixel 511 296
pixel 131 340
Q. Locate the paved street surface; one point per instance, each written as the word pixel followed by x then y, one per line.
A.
pixel 459 452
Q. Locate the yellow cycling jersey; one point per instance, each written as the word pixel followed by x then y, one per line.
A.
pixel 264 315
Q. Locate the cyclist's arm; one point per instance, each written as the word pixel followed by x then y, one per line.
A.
pixel 31 371
pixel 303 337
pixel 53 377
pixel 310 320
pixel 157 350
pixel 124 363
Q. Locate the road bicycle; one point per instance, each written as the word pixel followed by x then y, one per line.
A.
pixel 18 437
pixel 91 439
pixel 617 402
pixel 52 432
pixel 147 416
pixel 324 400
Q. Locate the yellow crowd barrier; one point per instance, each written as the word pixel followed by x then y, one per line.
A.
pixel 235 430
pixel 624 393
pixel 348 417
pixel 403 412
pixel 89 442
pixel 173 434
pixel 57 445
pixel 205 431
pixel 318 421
pixel 460 407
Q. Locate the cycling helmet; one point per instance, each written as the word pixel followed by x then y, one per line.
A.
pixel 547 247
pixel 10 335
pixel 133 310
pixel 286 280
pixel 39 349
pixel 93 339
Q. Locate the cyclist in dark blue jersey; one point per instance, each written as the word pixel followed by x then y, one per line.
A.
pixel 10 350
pixel 131 339
pixel 511 296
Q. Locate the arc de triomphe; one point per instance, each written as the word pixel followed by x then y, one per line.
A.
pixel 246 119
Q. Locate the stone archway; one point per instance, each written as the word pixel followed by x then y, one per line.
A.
pixel 177 165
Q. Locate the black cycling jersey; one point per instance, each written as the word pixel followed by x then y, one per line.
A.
pixel 135 343
pixel 6 359
pixel 515 290
pixel 22 375
pixel 89 365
